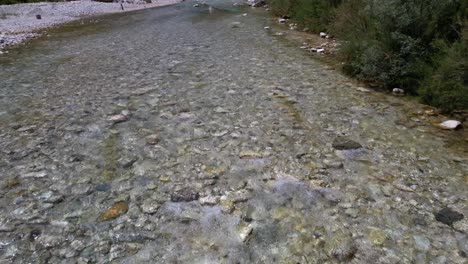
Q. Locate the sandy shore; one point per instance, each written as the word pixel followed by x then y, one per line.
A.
pixel 19 22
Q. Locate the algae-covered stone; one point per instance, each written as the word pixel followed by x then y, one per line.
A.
pixel 118 209
pixel 343 143
pixel 341 246
pixel 227 205
pixel 152 139
pixel 244 231
pixel 377 236
pixel 280 213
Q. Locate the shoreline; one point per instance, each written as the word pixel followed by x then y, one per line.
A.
pixel 18 22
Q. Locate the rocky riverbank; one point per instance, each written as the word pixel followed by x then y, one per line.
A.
pixel 24 21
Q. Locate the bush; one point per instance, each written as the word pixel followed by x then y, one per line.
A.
pixel 447 87
pixel 392 43
pixel 313 14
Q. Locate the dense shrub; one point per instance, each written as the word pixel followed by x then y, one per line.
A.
pixel 411 44
pixel 447 87
pixel 313 14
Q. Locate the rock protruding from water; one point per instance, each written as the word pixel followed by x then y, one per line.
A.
pixel 256 3
pixel 343 143
pixel 450 124
pixel 448 216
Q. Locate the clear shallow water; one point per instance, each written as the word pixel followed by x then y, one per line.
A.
pixel 243 117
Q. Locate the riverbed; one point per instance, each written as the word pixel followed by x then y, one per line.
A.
pixel 189 134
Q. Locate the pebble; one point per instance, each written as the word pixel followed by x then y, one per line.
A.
pixel 448 216
pixel 377 236
pixel 245 231
pixel 150 206
pixel 122 117
pixel 209 200
pixel 422 243
pixel 235 24
pixel 152 139
pixel 115 211
pixel 185 195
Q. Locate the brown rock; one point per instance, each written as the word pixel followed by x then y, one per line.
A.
pixel 118 209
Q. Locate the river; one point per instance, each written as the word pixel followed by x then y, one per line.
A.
pixel 193 135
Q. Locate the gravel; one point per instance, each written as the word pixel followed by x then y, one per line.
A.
pixel 19 22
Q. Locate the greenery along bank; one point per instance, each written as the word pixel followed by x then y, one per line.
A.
pixel 418 45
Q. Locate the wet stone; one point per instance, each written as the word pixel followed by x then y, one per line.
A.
pixel 132 236
pixel 448 216
pixel 115 211
pixel 422 243
pixel 377 236
pixel 150 206
pixel 50 197
pixel 245 231
pixel 343 143
pixel 209 200
pixel 185 195
pixel 152 139
pixel 103 187
pixel 49 241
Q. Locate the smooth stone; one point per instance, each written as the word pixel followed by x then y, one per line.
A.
pixel 448 216
pixel 343 143
pixel 150 206
pixel 185 195
pixel 245 231
pixel 422 243
pixel 377 236
pixel 450 124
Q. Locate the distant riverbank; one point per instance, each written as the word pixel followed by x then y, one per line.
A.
pixel 20 22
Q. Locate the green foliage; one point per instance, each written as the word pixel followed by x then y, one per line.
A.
pixel 313 14
pixel 447 87
pixel 412 44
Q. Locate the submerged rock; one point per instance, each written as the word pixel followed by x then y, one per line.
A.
pixel 343 143
pixel 150 207
pixel 245 231
pixel 185 195
pixel 422 243
pixel 235 24
pixel 122 117
pixel 209 200
pixel 448 216
pixel 118 209
pixel 377 236
pixel 152 139
pixel 250 154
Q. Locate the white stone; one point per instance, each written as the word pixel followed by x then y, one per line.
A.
pixel 323 34
pixel 450 124
pixel 245 231
pixel 209 200
pixel 362 89
pixel 281 20
pixel 398 91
